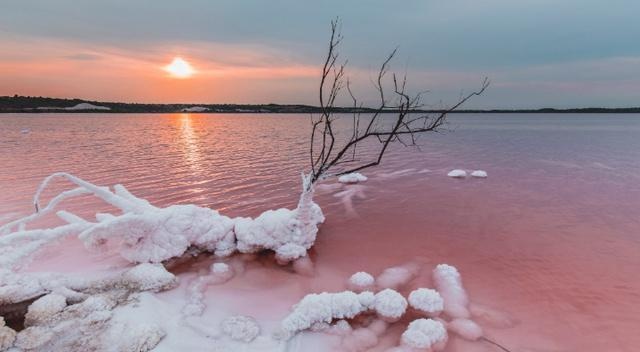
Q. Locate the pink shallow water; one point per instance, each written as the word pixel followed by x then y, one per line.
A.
pixel 549 243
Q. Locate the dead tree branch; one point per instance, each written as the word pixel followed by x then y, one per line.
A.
pixel 403 128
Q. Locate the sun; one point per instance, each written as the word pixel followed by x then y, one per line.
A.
pixel 179 68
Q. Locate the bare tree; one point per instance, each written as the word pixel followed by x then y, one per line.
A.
pixel 402 127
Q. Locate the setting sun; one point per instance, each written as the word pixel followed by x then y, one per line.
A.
pixel 179 68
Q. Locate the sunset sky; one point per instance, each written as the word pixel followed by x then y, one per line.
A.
pixel 536 52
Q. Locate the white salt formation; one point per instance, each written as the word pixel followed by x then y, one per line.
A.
pixel 479 173
pixel 390 305
pixel 7 336
pixel 361 281
pixel 241 328
pixel 195 109
pixel 449 285
pixel 426 300
pixel 457 173
pixel 465 328
pixel 324 308
pixel 397 276
pixel 87 106
pixel 425 335
pixel 353 177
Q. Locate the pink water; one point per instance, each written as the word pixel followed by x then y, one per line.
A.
pixel 549 243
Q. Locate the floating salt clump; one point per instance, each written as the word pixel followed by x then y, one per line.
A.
pixel 426 300
pixel 425 334
pixel 389 304
pixel 221 272
pixel 325 307
pixel 467 329
pixel 241 328
pixel 397 276
pixel 25 131
pixel 457 173
pixel 479 173
pixel 361 281
pixel 353 177
pixel 449 284
pixel 7 336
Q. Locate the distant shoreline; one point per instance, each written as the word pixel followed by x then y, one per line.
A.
pixel 22 104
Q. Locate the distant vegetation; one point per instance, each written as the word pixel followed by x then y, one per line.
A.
pixel 18 103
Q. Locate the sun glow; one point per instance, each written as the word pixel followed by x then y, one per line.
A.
pixel 179 68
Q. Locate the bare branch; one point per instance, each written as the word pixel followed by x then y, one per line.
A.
pixel 345 158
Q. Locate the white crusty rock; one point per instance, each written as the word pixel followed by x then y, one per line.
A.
pixel 353 177
pixel 44 308
pixel 479 173
pixel 241 328
pixel 361 281
pixel 425 334
pixel 389 304
pixel 138 337
pixel 457 173
pixel 149 277
pixel 426 300
pixel 449 285
pixel 33 337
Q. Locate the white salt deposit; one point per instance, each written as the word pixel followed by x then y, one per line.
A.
pixel 361 281
pixel 353 177
pixel 87 106
pixel 449 285
pixel 426 300
pixel 397 276
pixel 44 308
pixel 7 336
pixel 241 328
pixel 390 304
pixel 425 334
pixel 465 328
pixel 324 307
pixel 479 173
pixel 195 109
pixel 457 173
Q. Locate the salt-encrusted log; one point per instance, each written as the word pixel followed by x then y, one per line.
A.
pixel 146 233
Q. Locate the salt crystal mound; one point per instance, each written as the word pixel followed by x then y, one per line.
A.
pixel 425 334
pixel 361 281
pixel 457 173
pixel 353 177
pixel 44 308
pixel 146 233
pixel 241 328
pixel 397 276
pixel 449 285
pixel 465 328
pixel 479 173
pixel 390 304
pixel 324 308
pixel 426 300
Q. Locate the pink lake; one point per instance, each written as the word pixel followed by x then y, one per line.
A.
pixel 548 245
